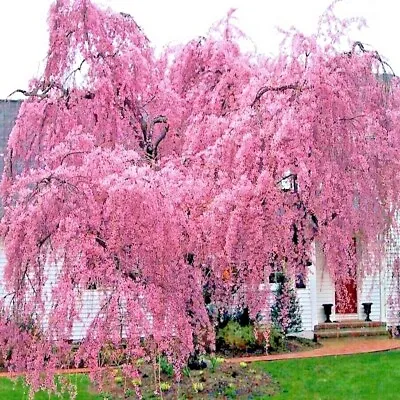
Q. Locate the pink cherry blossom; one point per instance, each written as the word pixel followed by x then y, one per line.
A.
pixel 122 164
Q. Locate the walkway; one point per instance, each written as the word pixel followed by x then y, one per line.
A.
pixel 331 347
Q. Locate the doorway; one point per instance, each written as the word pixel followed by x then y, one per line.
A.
pixel 346 297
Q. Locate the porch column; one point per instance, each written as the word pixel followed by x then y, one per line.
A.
pixel 312 279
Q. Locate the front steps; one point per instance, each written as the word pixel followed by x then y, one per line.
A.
pixel 346 329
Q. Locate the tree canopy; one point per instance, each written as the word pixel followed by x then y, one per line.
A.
pixel 153 177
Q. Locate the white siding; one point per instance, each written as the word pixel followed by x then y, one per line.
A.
pixel 89 308
pixel 308 297
pixel 88 304
pixel 319 290
pixel 3 262
pixel 325 287
pixel 306 308
pixel 392 295
pixel 370 291
pixel 392 278
pixel 90 301
pixel 392 301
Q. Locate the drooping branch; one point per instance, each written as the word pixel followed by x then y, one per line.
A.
pixel 42 241
pixel 42 91
pixel 282 88
pixel 374 54
pixel 32 93
pixel 45 182
pixel 75 70
pixel 71 154
pixel 344 119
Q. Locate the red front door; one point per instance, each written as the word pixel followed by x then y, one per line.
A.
pixel 346 297
pixel 346 291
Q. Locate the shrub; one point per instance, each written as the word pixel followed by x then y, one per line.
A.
pixel 286 311
pixel 277 343
pixel 166 367
pixel 235 336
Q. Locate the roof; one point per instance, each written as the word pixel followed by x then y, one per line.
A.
pixel 8 114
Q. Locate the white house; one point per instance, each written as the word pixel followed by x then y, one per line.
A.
pixel 381 289
pixel 348 319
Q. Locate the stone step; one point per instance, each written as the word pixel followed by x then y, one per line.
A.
pixel 350 332
pixel 349 324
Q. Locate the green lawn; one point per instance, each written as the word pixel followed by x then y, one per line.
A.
pixel 9 390
pixel 360 377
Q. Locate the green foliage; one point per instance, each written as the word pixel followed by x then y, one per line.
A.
pixel 106 396
pixel 230 391
pixel 129 393
pixel 111 355
pixel 233 335
pixel 276 341
pixel 214 364
pixel 215 361
pixel 165 386
pixel 186 372
pixel 286 310
pixel 136 382
pixel 197 387
pixel 166 367
pixel 139 362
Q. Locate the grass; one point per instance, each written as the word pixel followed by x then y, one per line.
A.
pixel 12 390
pixel 357 377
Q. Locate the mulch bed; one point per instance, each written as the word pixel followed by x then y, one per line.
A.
pixel 227 381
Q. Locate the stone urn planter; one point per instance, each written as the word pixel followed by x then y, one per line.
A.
pixel 328 311
pixel 367 310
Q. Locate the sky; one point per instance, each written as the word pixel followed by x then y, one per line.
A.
pixel 24 34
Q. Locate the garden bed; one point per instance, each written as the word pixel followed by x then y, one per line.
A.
pixel 219 380
pixel 290 344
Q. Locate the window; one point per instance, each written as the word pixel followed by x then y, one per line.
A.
pixel 300 281
pixel 276 277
